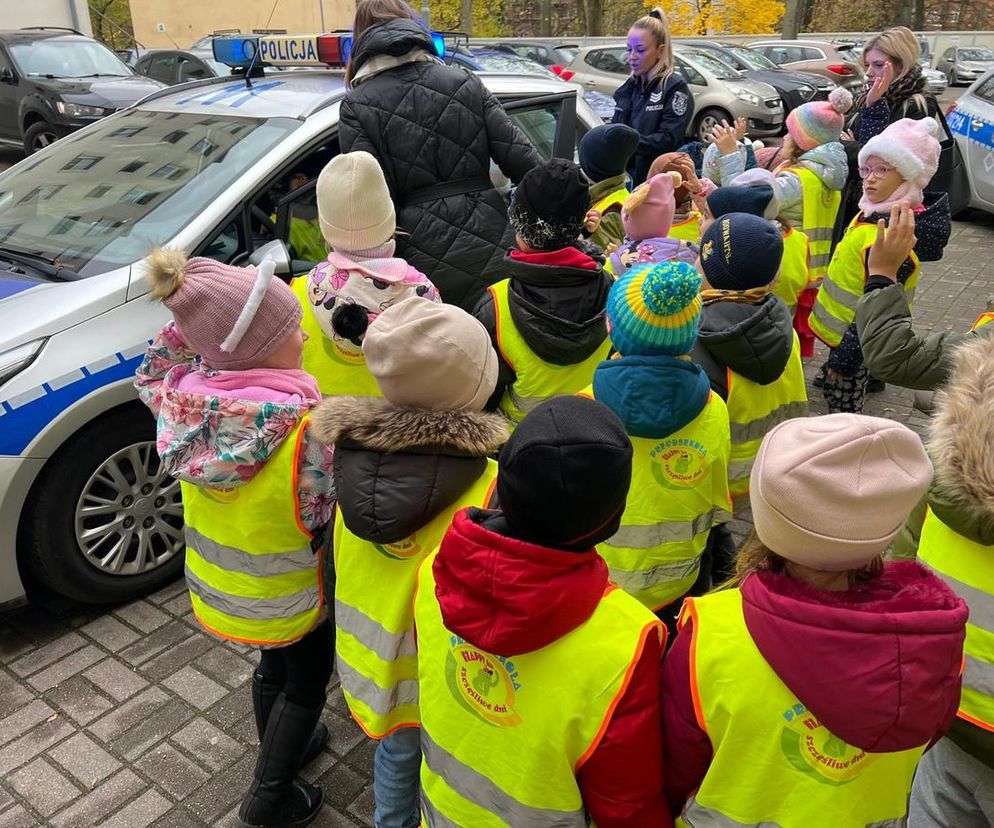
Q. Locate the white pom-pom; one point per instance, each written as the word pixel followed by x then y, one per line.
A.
pixel 932 126
pixel 262 279
pixel 840 99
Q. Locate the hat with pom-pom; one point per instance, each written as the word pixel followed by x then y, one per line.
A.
pixel 912 148
pixel 648 212
pixel 655 309
pixel 819 122
pixel 234 317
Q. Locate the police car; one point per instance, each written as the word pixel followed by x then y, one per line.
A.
pixel 971 121
pixel 225 168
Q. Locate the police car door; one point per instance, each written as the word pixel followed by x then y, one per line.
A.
pixel 549 121
pixel 972 122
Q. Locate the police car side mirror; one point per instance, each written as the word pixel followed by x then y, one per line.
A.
pixel 275 250
pixel 7 75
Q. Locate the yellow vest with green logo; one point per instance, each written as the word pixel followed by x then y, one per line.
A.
pixel 967 567
pixel 754 409
pixel 679 491
pixel 835 307
pixel 535 379
pixel 688 230
pixel 337 364
pixel 374 594
pixel 503 738
pixel 774 763
pixel 249 566
pixel 793 268
pixel 819 207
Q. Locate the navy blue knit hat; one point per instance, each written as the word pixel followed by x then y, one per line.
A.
pixel 753 200
pixel 740 251
pixel 606 150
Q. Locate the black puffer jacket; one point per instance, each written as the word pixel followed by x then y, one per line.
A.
pixel 755 341
pixel 434 129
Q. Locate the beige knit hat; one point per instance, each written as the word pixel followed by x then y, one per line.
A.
pixel 831 492
pixel 431 356
pixel 354 206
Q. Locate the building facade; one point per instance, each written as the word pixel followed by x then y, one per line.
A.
pixel 73 14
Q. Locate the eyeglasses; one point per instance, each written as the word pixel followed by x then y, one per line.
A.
pixel 876 172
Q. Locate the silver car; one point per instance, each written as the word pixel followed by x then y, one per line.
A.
pixel 964 64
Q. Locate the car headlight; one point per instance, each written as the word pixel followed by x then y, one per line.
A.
pixel 746 96
pixel 74 110
pixel 806 91
pixel 15 360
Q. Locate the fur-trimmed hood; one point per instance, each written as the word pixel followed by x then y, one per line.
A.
pixel 398 468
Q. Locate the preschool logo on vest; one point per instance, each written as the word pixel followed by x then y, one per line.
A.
pixel 345 352
pixel 813 750
pixel 484 684
pixel 679 464
pixel 402 549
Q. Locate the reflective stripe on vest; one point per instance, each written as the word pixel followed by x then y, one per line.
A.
pixel 754 409
pixel 249 566
pixel 374 617
pixel 819 206
pixel 968 568
pixel 835 306
pixel 688 230
pixel 535 379
pixel 679 492
pixel 338 365
pixel 496 751
pixel 773 762
pixel 793 269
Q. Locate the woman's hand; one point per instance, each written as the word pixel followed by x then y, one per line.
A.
pixel 881 83
pixel 724 138
pixel 895 242
pixel 592 220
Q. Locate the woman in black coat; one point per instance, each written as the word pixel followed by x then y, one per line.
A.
pixel 434 130
pixel 654 100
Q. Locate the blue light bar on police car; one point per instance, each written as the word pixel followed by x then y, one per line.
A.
pixel 236 51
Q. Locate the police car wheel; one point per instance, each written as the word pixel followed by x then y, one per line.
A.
pixel 707 121
pixel 106 521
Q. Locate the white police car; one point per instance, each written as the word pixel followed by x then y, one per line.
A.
pixel 971 121
pixel 224 168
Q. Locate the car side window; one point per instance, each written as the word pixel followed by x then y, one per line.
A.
pixel 5 63
pixel 609 60
pixel 163 68
pixel 778 54
pixel 191 69
pixel 948 54
pixel 811 54
pixel 539 124
pixel 986 90
pixel 689 73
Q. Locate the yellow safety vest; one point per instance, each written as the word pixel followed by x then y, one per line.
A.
pixel 688 230
pixel 610 204
pixel 774 763
pixel 967 567
pixel 617 197
pixel 982 320
pixel 252 574
pixel 835 307
pixel 754 409
pixel 793 268
pixel 503 738
pixel 679 491
pixel 374 616
pixel 819 207
pixel 337 364
pixel 535 379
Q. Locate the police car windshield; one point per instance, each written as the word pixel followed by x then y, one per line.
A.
pixel 101 199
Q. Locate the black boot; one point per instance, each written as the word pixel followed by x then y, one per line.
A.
pixel 277 799
pixel 263 697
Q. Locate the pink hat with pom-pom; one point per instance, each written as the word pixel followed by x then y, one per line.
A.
pixel 819 122
pixel 910 146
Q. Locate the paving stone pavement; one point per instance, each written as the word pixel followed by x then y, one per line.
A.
pixel 132 716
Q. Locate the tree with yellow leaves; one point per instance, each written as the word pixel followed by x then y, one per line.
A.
pixel 707 17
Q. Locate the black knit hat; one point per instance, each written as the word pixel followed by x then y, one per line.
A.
pixel 740 251
pixel 550 204
pixel 564 474
pixel 753 200
pixel 606 150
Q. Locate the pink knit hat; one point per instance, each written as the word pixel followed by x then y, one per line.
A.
pixel 912 148
pixel 234 317
pixel 648 212
pixel 831 492
pixel 819 122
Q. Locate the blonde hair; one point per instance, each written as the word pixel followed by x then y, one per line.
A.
pixel 369 13
pixel 899 44
pixel 656 24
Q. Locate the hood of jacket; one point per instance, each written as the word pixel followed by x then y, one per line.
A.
pixel 653 396
pixel 604 188
pixel 829 162
pixel 509 597
pixel 557 302
pixel 879 665
pixel 960 439
pixel 393 38
pixel 753 340
pixel 218 429
pixel 933 224
pixel 399 468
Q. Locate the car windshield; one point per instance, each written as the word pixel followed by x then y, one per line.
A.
pixel 512 64
pixel 720 70
pixel 976 54
pixel 67 58
pixel 754 60
pixel 569 52
pixel 102 198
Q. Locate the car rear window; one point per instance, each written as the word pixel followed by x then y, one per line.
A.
pixel 976 54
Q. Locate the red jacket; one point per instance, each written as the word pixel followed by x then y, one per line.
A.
pixel 887 660
pixel 509 597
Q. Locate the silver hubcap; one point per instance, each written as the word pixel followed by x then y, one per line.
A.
pixel 43 139
pixel 129 518
pixel 706 128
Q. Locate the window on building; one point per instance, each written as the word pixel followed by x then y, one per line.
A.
pixel 176 135
pixel 83 162
pixel 64 226
pixel 103 225
pixel 126 132
pixel 41 193
pixel 204 147
pixel 168 171
pixel 133 166
pixel 99 191
pixel 136 195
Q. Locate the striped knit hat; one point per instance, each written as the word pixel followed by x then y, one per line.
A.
pixel 819 122
pixel 655 309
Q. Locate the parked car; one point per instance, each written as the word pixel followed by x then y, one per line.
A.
pixel 602 68
pixel 172 66
pixel 55 81
pixel 971 120
pixel 85 505
pixel 815 56
pixel 545 52
pixel 964 64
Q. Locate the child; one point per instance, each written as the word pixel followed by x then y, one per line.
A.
pixel 257 496
pixel 404 464
pixel 955 780
pixel 546 319
pixel 604 155
pixel 747 345
pixel 536 673
pixel 358 280
pixel 679 430
pixel 895 166
pixel 831 669
pixel 648 215
pixel 686 218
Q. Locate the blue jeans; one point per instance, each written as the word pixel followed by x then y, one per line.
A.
pixel 396 779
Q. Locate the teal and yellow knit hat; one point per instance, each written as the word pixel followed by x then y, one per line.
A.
pixel 655 309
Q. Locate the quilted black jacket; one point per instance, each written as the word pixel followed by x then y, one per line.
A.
pixel 434 129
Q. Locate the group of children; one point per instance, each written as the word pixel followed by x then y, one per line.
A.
pixel 524 504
